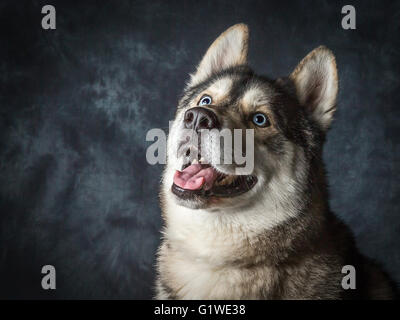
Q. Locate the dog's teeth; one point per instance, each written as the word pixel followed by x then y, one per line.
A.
pixel 226 180
pixel 195 161
pixel 202 160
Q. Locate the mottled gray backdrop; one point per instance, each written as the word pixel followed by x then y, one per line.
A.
pixel 76 103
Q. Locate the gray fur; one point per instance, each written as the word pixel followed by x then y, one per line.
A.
pixel 280 240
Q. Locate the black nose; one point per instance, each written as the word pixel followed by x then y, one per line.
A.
pixel 198 118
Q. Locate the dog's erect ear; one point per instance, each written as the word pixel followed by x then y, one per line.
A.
pixel 228 50
pixel 316 82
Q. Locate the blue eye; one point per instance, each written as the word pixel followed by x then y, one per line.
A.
pixel 260 120
pixel 205 100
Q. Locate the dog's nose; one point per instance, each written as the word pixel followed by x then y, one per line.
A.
pixel 198 118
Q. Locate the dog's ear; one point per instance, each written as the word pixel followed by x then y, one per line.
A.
pixel 228 50
pixel 316 82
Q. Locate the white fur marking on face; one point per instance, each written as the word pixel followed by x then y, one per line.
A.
pixel 254 97
pixel 220 88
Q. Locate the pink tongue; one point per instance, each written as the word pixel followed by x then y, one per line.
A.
pixel 194 177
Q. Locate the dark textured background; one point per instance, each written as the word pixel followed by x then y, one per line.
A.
pixel 75 105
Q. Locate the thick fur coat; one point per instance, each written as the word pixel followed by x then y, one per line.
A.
pixel 278 238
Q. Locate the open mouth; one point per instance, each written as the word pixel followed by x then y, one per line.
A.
pixel 202 180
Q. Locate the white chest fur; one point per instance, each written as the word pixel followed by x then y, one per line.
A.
pixel 202 260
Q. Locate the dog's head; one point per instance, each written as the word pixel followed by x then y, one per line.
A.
pixel 287 118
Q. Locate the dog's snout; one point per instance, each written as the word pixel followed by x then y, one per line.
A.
pixel 198 118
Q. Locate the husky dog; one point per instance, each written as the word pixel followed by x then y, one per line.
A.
pixel 269 234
